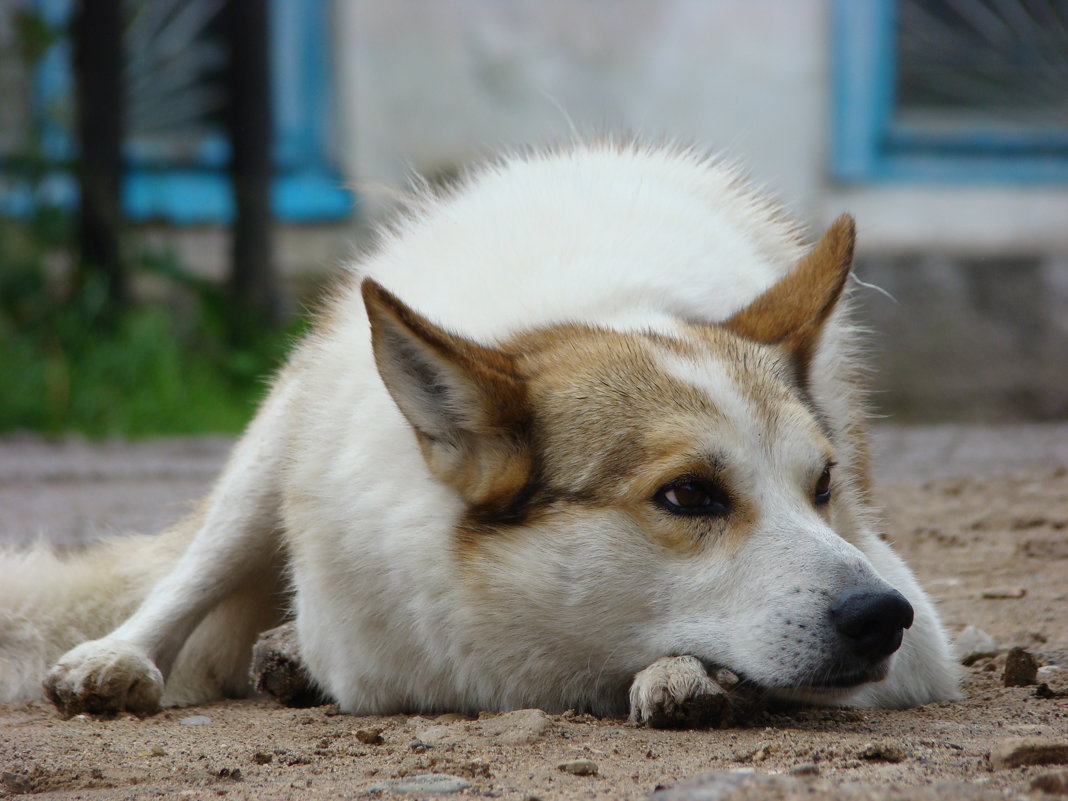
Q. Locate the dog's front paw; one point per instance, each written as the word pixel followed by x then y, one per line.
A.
pixel 676 692
pixel 104 677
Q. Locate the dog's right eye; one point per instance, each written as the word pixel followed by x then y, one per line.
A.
pixel 693 496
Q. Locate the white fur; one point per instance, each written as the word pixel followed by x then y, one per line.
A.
pixel 630 239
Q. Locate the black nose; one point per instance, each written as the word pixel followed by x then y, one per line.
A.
pixel 872 623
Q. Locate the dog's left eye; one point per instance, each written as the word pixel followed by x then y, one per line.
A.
pixel 822 493
pixel 693 497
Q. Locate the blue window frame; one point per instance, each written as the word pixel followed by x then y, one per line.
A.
pixel 876 139
pixel 189 184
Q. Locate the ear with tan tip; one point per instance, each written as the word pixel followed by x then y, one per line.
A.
pixel 792 312
pixel 465 401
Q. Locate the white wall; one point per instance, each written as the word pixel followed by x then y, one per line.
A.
pixel 433 84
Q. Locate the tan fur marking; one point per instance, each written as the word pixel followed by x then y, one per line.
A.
pixel 610 427
pixel 792 312
pixel 688 535
pixel 489 461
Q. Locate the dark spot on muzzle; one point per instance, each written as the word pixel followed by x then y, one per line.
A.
pixel 871 624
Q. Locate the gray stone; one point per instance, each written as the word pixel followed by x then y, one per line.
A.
pixel 278 669
pixel 442 734
pixel 425 783
pixel 195 720
pixel 517 728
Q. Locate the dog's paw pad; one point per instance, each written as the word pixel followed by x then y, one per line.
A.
pixel 104 677
pixel 676 692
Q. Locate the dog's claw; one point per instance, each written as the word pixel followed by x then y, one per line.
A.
pixel 676 692
pixel 104 677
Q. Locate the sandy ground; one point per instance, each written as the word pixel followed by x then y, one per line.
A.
pixel 980 513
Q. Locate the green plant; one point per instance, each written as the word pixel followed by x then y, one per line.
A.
pixel 72 361
pixel 150 369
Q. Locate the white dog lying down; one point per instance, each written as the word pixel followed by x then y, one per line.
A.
pixel 589 424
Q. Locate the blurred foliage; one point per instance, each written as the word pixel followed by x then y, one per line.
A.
pixel 72 362
pixel 154 368
pixel 32 35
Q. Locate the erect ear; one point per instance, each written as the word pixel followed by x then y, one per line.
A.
pixel 792 312
pixel 466 402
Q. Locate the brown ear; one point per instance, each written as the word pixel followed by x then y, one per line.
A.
pixel 465 401
pixel 793 311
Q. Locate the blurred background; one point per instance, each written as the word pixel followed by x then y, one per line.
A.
pixel 178 178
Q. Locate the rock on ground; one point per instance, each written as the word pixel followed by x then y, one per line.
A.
pixel 278 670
pixel 1016 751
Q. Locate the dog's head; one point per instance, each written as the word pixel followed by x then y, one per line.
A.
pixel 632 495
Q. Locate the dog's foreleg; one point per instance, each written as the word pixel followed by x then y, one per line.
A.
pixel 235 545
pixel 677 692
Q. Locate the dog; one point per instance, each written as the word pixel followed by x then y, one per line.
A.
pixel 581 432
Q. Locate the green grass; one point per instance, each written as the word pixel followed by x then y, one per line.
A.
pixel 152 369
pixel 138 377
pixel 68 363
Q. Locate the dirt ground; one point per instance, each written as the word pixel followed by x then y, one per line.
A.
pixel 980 514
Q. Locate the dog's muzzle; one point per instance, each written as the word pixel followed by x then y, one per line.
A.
pixel 871 624
pixel 868 626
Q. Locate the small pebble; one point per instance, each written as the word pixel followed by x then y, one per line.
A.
pixel 1045 691
pixel 1016 751
pixel 370 736
pixel 760 754
pixel 195 720
pixel 520 727
pixel 16 783
pixel 1005 593
pixel 882 752
pixel 432 783
pixel 262 758
pixel 1021 668
pixel 579 767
